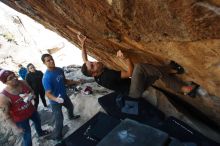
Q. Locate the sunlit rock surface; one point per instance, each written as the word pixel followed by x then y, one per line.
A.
pixel 186 31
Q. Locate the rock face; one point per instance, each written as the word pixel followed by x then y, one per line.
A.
pixel 150 31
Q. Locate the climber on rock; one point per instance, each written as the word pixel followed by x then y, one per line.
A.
pixel 118 81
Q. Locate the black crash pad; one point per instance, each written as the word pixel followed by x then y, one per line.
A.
pixel 132 133
pixel 149 114
pixel 92 131
pixel 185 133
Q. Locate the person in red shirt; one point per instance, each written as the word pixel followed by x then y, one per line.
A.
pixel 16 106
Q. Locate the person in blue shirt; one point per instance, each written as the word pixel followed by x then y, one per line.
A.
pixel 22 71
pixel 54 84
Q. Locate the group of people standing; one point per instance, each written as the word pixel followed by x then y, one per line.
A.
pixel 15 99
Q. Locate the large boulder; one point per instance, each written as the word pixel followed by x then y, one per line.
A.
pixel 153 31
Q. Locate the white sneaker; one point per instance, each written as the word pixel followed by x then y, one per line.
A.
pixel 47 109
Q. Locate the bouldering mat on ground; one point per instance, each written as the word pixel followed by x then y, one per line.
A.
pixel 92 131
pixel 132 133
pixel 185 133
pixel 149 114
